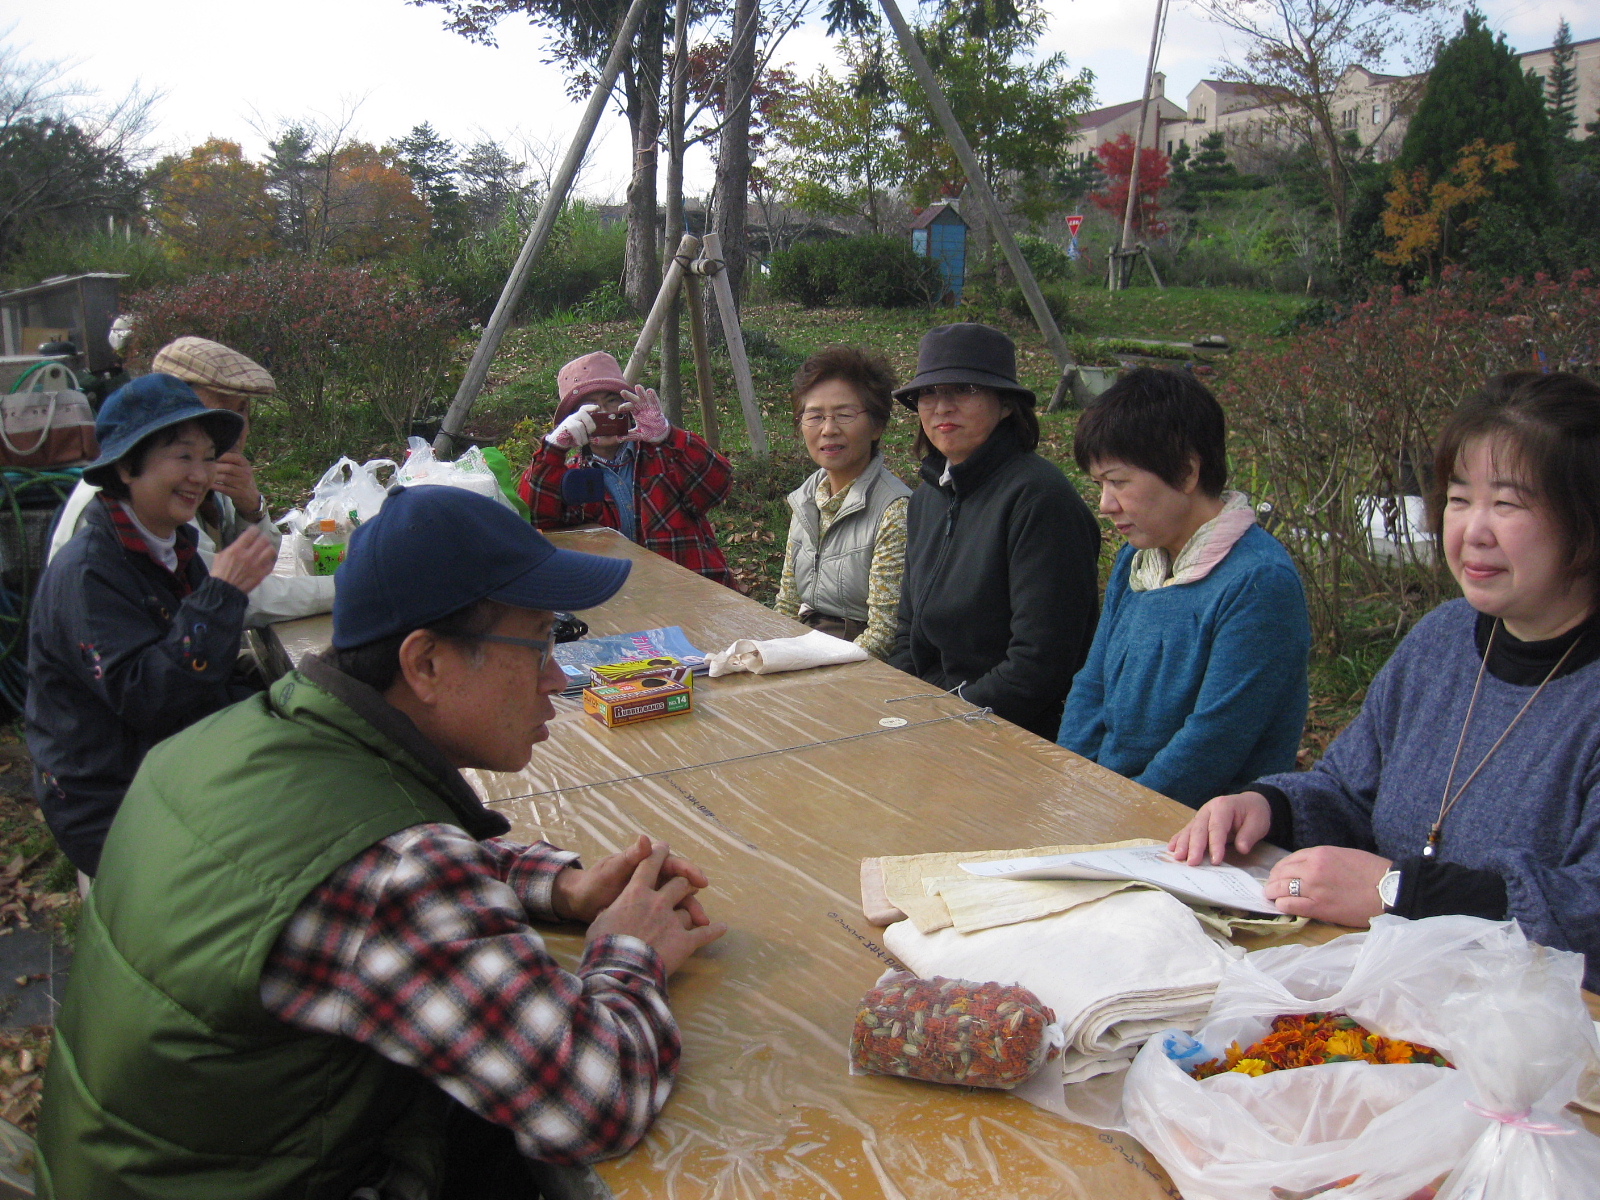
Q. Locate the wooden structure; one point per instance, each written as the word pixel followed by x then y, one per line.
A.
pixel 73 308
pixel 940 233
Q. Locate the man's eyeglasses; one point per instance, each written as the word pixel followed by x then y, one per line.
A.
pixel 961 393
pixel 546 647
pixel 843 417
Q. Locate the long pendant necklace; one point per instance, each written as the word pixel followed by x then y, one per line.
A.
pixel 1448 801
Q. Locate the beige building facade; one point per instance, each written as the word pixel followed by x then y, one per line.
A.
pixel 1373 107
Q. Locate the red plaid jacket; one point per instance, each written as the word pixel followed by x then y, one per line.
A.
pixel 676 483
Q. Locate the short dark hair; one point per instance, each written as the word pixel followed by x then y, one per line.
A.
pixel 377 664
pixel 1552 426
pixel 870 374
pixel 1020 412
pixel 111 481
pixel 1158 421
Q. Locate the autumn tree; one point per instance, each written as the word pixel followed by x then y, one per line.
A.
pixel 212 205
pixel 1116 166
pixel 1427 219
pixel 372 208
pixel 1293 54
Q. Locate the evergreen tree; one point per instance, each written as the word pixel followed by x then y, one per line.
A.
pixel 1478 90
pixel 1210 170
pixel 430 161
pixel 1561 88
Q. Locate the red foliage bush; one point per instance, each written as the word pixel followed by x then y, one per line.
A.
pixel 334 338
pixel 1351 411
pixel 1116 164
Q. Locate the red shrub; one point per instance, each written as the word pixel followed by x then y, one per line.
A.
pixel 1352 411
pixel 333 337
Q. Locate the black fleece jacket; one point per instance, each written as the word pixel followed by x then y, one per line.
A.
pixel 1001 586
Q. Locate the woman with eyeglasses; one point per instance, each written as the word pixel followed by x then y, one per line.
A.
pixel 847 532
pixel 1001 592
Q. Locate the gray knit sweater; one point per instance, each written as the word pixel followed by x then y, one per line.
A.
pixel 1532 815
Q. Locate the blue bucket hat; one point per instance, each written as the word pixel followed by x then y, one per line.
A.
pixel 147 405
pixel 433 549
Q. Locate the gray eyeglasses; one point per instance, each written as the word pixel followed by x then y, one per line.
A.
pixel 545 646
pixel 844 417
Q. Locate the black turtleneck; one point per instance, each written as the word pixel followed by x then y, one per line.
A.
pixel 1528 664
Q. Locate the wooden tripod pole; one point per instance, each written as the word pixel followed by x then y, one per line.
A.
pixel 511 294
pixel 979 184
pixel 711 265
pixel 1119 274
pixel 700 342
pixel 662 308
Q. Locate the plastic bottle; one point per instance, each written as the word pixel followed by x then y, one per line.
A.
pixel 328 550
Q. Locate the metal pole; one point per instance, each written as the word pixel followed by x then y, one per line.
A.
pixel 1122 275
pixel 711 264
pixel 661 308
pixel 979 184
pixel 478 368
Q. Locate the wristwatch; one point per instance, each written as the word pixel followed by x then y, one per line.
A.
pixel 1389 889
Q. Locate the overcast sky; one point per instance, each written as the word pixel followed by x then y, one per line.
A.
pixel 226 68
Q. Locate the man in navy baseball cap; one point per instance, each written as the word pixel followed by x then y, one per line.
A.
pixel 338 979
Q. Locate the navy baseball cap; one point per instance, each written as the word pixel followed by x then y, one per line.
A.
pixel 433 549
pixel 151 403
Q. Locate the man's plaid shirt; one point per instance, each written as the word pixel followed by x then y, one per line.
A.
pixel 420 948
pixel 675 484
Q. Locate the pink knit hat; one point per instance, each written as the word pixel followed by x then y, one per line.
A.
pixel 583 377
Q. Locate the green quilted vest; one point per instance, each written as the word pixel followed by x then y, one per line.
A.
pixel 168 1078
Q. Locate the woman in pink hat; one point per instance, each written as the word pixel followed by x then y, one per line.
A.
pixel 633 471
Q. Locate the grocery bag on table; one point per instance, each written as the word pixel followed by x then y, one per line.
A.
pixel 1507 1013
pixel 470 471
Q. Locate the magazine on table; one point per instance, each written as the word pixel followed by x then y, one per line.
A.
pixel 1237 883
pixel 669 641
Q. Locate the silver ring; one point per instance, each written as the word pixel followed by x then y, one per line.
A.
pixel 1294 887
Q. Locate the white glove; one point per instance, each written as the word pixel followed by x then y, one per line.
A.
pixel 575 431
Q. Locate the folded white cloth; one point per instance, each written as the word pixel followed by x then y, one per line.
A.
pixel 814 649
pixel 1114 971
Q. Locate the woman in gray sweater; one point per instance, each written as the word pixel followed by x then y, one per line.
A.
pixel 1470 780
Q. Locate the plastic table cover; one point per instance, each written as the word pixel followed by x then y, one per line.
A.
pixel 778 786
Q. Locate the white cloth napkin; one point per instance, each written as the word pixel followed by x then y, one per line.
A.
pixel 814 649
pixel 1114 971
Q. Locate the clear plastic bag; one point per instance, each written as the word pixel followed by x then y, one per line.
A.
pixel 1509 1015
pixel 470 471
pixel 347 488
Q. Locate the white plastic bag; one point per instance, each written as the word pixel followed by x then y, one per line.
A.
pixel 1507 1013
pixel 470 471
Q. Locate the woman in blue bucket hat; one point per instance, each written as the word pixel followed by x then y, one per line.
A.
pixel 131 638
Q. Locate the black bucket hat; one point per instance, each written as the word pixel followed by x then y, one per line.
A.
pixel 151 403
pixel 966 353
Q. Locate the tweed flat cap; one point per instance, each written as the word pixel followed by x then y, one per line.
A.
pixel 202 363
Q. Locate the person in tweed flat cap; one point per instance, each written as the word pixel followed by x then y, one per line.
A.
pixel 226 379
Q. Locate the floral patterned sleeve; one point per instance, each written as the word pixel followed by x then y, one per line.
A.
pixel 788 601
pixel 883 581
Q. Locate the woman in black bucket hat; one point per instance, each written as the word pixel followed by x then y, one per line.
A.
pixel 1000 594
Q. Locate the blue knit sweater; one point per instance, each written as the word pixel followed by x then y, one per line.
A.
pixel 1196 689
pixel 1533 813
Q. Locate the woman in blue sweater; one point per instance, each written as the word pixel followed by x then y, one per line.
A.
pixel 1196 681
pixel 1470 780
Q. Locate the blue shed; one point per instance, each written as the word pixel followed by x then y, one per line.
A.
pixel 939 233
